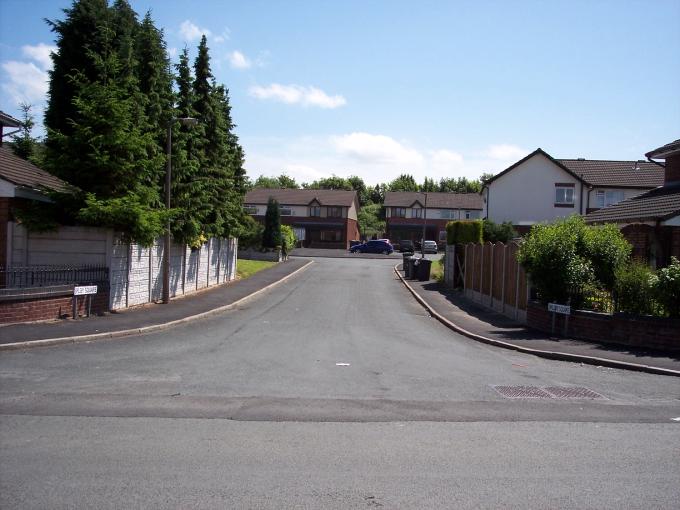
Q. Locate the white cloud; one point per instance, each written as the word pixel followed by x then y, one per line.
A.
pixel 224 36
pixel 173 52
pixel 239 61
pixel 40 53
pixel 444 161
pixel 297 94
pixel 192 32
pixel 377 149
pixel 26 82
pixel 506 152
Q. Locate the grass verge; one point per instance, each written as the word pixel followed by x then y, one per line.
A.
pixel 437 270
pixel 247 268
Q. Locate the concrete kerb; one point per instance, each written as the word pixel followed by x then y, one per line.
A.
pixel 147 329
pixel 555 355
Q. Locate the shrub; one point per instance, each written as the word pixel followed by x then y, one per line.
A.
pixel 634 288
pixel 667 288
pixel 288 238
pixel 498 232
pixel 550 256
pixel 606 249
pixel 251 233
pixel 462 232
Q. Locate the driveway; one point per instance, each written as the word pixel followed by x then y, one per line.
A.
pixel 334 390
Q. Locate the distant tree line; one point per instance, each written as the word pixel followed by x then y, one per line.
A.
pixel 112 95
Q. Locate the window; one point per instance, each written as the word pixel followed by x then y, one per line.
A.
pixel 399 212
pixel 564 195
pixel 331 235
pixel 249 209
pixel 285 211
pixel 416 213
pixel 442 235
pixel 447 214
pixel 607 198
pixel 471 215
pixel 315 211
pixel 335 212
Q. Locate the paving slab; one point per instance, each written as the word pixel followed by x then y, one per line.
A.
pixel 482 321
pixel 151 314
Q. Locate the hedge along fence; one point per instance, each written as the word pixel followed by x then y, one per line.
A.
pixel 463 232
pixel 490 275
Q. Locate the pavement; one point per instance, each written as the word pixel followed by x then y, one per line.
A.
pixel 152 316
pixel 489 326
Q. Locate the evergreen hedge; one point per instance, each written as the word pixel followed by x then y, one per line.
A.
pixel 463 232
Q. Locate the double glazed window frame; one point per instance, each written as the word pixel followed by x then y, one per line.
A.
pixel 565 194
pixel 605 198
pixel 334 212
pixel 398 212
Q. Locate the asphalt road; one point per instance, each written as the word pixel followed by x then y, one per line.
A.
pixel 334 390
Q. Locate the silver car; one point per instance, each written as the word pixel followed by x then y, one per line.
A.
pixel 430 247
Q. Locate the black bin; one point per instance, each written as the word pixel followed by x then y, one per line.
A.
pixel 412 268
pixel 424 266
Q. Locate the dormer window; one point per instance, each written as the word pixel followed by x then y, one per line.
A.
pixel 416 213
pixel 315 211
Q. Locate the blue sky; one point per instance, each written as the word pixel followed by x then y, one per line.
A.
pixel 438 89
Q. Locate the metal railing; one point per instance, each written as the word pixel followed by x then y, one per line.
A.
pixel 48 276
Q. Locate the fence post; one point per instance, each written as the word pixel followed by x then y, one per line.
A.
pixel 481 274
pixel 493 263
pixel 505 259
pixel 517 290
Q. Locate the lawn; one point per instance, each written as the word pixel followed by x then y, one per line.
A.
pixel 437 270
pixel 247 268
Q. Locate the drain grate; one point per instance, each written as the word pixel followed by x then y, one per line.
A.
pixel 576 393
pixel 551 392
pixel 521 392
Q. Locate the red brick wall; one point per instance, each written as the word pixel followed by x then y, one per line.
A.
pixel 352 232
pixel 53 307
pixel 639 236
pixel 644 332
pixel 672 172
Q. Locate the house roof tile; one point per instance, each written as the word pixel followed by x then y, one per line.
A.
pixel 619 174
pixel 642 174
pixel 434 200
pixel 666 150
pixel 341 198
pixel 25 174
pixel 658 204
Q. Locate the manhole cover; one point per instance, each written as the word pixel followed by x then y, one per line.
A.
pixel 521 392
pixel 576 393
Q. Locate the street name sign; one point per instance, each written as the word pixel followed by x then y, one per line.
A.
pixel 84 290
pixel 563 309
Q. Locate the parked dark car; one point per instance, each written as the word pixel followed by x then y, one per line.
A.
pixel 406 246
pixel 373 247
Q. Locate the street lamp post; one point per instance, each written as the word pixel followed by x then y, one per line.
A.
pixel 186 121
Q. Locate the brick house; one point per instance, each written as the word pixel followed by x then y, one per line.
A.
pixel 407 212
pixel 21 182
pixel 541 188
pixel 651 221
pixel 321 218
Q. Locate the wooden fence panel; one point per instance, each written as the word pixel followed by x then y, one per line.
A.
pixel 499 275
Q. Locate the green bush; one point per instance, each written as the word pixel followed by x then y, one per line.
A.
pixel 463 232
pixel 550 256
pixel 667 288
pixel 498 232
pixel 288 239
pixel 251 233
pixel 634 288
pixel 606 249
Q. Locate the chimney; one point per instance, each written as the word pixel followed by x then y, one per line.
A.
pixel 672 172
pixel 671 154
